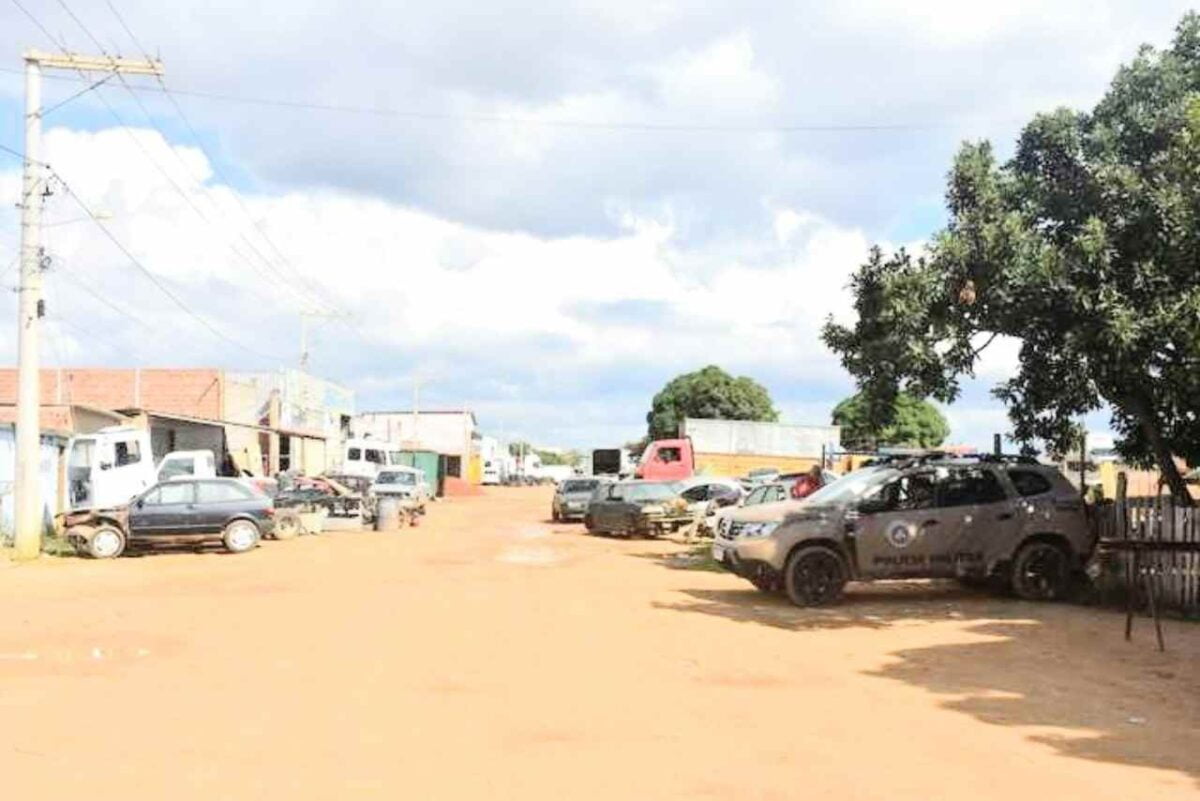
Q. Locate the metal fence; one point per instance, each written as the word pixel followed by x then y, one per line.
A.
pixel 1152 545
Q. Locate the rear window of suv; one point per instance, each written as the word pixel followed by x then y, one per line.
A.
pixel 1029 482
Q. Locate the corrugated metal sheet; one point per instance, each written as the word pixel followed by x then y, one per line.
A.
pixel 48 472
pixel 761 439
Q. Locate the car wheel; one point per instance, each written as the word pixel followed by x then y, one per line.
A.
pixel 107 542
pixel 589 524
pixel 815 576
pixel 240 536
pixel 1041 572
pixel 287 525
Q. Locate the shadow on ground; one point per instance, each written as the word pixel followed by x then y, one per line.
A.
pixel 1066 669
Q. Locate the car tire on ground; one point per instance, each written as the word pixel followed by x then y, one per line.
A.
pixel 287 525
pixel 815 576
pixel 106 542
pixel 588 524
pixel 240 536
pixel 1041 572
pixel 555 516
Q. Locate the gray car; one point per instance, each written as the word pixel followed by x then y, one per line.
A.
pixel 975 519
pixel 572 497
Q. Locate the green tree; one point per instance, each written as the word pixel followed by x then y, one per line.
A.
pixel 710 393
pixel 915 423
pixel 1085 247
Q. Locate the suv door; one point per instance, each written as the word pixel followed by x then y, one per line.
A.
pixel 895 532
pixel 976 513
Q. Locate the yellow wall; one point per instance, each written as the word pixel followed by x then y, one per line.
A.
pixel 475 469
pixel 739 464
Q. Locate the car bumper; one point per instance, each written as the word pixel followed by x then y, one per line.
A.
pixel 745 558
pixel 665 522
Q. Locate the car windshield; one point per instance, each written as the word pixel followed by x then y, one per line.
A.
pixel 852 486
pixel 397 477
pixel 580 486
pixel 650 492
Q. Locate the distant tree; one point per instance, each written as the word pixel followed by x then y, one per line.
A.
pixel 711 394
pixel 636 447
pixel 518 448
pixel 915 423
pixel 569 458
pixel 1085 248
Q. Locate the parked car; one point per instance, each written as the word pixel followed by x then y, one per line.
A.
pixel 175 511
pixel 763 494
pixel 573 495
pixel 649 508
pixel 407 483
pixel 976 519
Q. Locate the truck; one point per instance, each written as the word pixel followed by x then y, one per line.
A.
pixel 110 466
pixel 736 447
pixel 607 461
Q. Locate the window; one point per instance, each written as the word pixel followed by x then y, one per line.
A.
pixel 174 492
pixel 696 494
pixel 669 455
pixel 128 452
pixel 175 468
pixel 907 493
pixel 1029 482
pixel 756 496
pixel 220 492
pixel 970 486
pixel 354 454
pixel 776 494
pixel 614 493
pixel 375 457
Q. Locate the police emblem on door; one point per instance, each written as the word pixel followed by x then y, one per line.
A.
pixel 901 535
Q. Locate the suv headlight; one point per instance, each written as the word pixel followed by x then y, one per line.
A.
pixel 757 530
pixel 653 509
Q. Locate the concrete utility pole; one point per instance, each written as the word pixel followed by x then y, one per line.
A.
pixel 305 316
pixel 28 506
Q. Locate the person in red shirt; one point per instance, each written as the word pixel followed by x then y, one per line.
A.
pixel 808 484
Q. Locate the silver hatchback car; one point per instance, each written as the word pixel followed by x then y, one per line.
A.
pixel 975 519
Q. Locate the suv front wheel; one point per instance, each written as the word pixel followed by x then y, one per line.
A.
pixel 1041 572
pixel 815 576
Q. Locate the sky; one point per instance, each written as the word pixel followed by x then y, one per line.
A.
pixel 538 211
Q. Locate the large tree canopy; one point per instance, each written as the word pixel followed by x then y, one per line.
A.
pixel 1086 247
pixel 710 393
pixel 915 423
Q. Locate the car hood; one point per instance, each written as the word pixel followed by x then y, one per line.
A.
pixel 766 512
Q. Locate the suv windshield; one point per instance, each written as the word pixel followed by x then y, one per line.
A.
pixel 650 492
pixel 852 486
pixel 579 486
pixel 396 478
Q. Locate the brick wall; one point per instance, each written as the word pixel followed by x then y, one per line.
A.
pixel 192 392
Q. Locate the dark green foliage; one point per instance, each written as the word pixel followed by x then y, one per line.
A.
pixel 1085 247
pixel 915 423
pixel 710 393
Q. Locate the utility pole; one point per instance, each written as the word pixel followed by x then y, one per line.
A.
pixel 28 507
pixel 305 316
pixel 416 429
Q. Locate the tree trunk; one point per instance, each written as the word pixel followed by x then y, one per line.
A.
pixel 1166 461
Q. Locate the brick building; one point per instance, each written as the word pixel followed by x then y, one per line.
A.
pixel 264 422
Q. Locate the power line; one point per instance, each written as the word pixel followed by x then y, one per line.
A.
pixel 506 119
pixel 153 278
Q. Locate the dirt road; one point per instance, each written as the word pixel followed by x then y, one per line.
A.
pixel 491 655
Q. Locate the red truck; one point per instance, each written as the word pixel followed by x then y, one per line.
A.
pixel 667 460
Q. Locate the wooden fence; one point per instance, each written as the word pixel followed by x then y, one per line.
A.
pixel 1144 540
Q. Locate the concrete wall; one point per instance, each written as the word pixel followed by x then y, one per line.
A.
pixel 760 439
pixel 443 432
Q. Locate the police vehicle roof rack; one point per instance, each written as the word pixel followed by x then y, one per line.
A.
pixel 923 457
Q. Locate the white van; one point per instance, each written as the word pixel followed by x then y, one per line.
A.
pixel 110 466
pixel 366 457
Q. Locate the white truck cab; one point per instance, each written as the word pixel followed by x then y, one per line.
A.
pixel 366 457
pixel 110 466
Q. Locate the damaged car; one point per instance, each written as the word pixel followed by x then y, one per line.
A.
pixel 644 508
